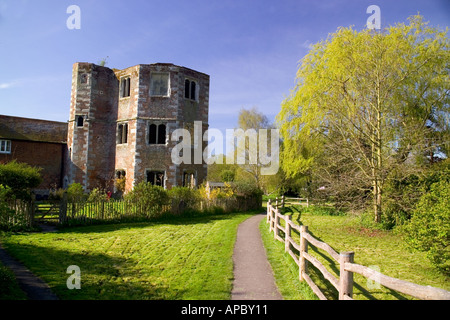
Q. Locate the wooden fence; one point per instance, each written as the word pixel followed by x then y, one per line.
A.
pixel 26 214
pixel 16 214
pixel 344 285
pixel 298 201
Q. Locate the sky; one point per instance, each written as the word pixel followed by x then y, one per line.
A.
pixel 250 49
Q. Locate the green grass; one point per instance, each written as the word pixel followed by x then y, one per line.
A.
pixel 383 249
pixel 9 289
pixel 284 268
pixel 179 258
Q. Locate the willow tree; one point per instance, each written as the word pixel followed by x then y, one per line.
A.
pixel 369 101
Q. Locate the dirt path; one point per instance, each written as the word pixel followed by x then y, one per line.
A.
pixel 253 276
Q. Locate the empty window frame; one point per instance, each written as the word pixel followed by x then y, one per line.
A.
pixel 125 87
pixel 190 89
pixel 156 178
pixel 121 174
pixel 5 146
pixel 157 133
pixel 189 180
pixel 80 121
pixel 159 85
pixel 83 78
pixel 122 133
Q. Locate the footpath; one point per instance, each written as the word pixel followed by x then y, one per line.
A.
pixel 253 275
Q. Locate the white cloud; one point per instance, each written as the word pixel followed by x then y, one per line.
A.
pixel 7 85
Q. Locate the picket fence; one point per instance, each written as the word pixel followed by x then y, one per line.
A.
pixel 26 214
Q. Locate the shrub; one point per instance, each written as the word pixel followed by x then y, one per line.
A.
pixel 246 188
pixel 184 199
pixel 20 178
pixel 97 195
pixel 149 199
pixel 429 227
pixel 75 193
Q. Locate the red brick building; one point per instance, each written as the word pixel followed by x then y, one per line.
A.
pixel 39 143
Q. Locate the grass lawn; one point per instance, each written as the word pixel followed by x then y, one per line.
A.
pixel 383 250
pixel 179 258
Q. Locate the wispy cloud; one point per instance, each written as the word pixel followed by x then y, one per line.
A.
pixel 307 45
pixel 34 81
pixel 8 85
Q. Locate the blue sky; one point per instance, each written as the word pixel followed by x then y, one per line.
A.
pixel 250 48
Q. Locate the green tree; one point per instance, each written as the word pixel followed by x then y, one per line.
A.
pixel 365 103
pixel 254 120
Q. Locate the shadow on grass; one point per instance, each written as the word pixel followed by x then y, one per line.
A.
pixel 190 219
pixel 326 287
pixel 103 277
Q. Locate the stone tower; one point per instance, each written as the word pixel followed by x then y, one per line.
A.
pixel 121 123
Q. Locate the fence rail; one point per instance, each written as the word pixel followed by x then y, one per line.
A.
pixel 344 285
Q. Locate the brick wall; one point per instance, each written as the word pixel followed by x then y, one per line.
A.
pixel 39 143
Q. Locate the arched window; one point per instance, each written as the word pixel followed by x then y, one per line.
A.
pixel 152 134
pixel 187 88
pixel 193 90
pixel 190 89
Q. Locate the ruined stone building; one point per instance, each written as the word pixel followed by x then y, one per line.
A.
pixel 121 122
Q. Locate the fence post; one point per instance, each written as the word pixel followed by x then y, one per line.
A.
pixel 303 267
pixel 63 209
pixel 346 277
pixel 269 203
pixel 282 201
pixel 287 235
pixel 32 210
pixel 275 224
pixel 307 202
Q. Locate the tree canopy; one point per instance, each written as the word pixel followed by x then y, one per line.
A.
pixel 365 103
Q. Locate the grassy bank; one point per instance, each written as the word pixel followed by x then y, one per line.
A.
pixel 184 258
pixel 384 251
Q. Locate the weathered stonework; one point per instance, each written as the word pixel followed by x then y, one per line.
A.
pixel 97 149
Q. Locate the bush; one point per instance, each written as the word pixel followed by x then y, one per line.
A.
pixel 75 193
pixel 429 227
pixel 184 199
pixel 149 199
pixel 403 192
pixel 20 178
pixel 97 195
pixel 246 188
